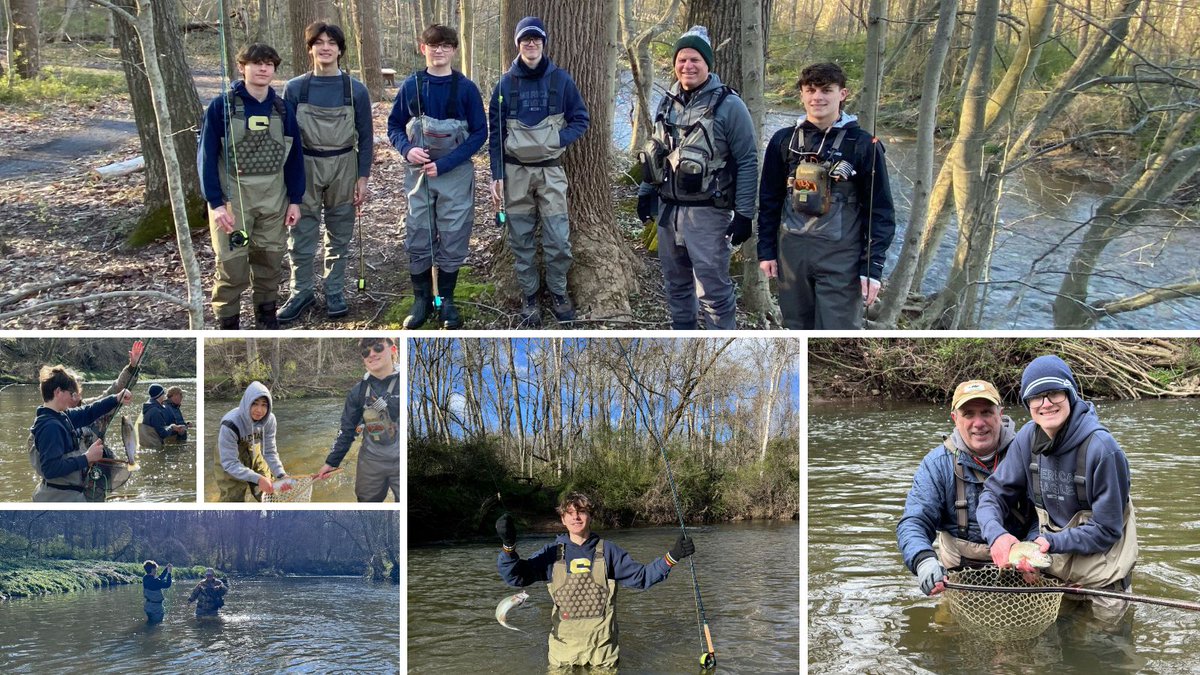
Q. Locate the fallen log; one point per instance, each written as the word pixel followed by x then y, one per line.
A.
pixel 120 168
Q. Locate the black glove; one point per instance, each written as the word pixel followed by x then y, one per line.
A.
pixel 739 229
pixel 683 547
pixel 645 207
pixel 507 530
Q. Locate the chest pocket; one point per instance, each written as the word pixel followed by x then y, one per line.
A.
pixel 258 143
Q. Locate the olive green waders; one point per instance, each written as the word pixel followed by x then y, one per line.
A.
pixel 258 203
pixel 584 629
pixel 250 455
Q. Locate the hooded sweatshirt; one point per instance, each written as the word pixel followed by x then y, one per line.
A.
pixel 56 433
pixel 621 567
pixel 227 441
pixel 155 415
pixel 435 103
pixel 1107 480
pixel 533 105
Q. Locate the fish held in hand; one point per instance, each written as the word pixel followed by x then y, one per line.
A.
pixel 129 440
pixel 508 603
pixel 1030 554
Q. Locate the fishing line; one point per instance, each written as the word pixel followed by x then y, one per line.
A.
pixel 227 96
pixel 708 660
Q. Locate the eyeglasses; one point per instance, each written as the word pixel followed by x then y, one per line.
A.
pixel 377 348
pixel 531 40
pixel 1057 396
pixel 440 48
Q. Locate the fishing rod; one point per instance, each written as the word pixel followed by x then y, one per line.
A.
pixel 1076 590
pixel 423 182
pixel 134 372
pixel 709 658
pixel 228 146
pixel 362 265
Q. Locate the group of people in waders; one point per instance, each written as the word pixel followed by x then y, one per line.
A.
pixel 66 444
pixel 272 167
pixel 1061 482
pixel 247 461
pixel 209 594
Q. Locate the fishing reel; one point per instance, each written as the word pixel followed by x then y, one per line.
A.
pixel 238 239
pixel 708 661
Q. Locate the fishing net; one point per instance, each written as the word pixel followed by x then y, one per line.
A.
pixel 1002 617
pixel 302 488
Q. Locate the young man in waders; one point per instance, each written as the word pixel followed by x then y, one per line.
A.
pixel 246 457
pixel 374 406
pixel 541 114
pixel 55 452
pixel 825 216
pixel 334 114
pixel 156 425
pixel 437 124
pixel 209 595
pixel 252 175
pixel 1072 469
pixel 105 477
pixel 702 160
pixel 941 506
pixel 152 591
pixel 582 572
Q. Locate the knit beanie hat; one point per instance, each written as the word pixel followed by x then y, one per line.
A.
pixel 1048 373
pixel 156 390
pixel 530 25
pixel 696 38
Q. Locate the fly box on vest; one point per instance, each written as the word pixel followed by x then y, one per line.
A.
pixel 810 190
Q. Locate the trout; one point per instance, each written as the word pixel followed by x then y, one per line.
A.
pixel 129 439
pixel 507 604
pixel 1029 553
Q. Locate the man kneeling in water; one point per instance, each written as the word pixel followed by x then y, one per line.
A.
pixel 582 571
pixel 152 591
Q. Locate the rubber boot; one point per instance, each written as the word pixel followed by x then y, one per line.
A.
pixel 295 306
pixel 265 314
pixel 230 322
pixel 531 313
pixel 422 306
pixel 335 306
pixel 562 308
pixel 446 283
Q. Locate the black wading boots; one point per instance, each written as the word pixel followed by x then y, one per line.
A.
pixel 229 322
pixel 446 283
pixel 562 308
pixel 295 306
pixel 422 306
pixel 265 315
pixel 531 313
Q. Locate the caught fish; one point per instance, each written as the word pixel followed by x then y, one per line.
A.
pixel 507 604
pixel 1030 553
pixel 279 484
pixel 129 439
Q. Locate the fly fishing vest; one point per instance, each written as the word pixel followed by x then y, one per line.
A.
pixel 378 425
pixel 585 629
pixel 956 550
pixel 249 454
pixel 539 145
pixel 682 156
pixel 438 137
pixel 256 155
pixel 1091 570
pixel 817 205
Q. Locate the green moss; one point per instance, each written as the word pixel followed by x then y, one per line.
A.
pixel 160 223
pixel 64 84
pixel 468 290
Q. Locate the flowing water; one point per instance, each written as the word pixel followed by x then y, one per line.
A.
pixel 276 625
pixel 305 429
pixel 865 611
pixel 748 577
pixel 167 475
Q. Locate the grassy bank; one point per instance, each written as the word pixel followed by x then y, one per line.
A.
pixel 39 576
pixel 458 489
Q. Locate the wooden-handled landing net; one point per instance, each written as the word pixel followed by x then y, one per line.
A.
pixel 301 492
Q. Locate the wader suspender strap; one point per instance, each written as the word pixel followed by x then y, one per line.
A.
pixel 795 147
pixel 75 443
pixel 1080 477
pixel 347 101
pixel 553 104
pixel 414 107
pixel 960 488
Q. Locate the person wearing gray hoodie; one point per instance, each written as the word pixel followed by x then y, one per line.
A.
pixel 247 457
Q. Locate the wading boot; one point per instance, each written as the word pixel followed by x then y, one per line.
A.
pixel 295 306
pixel 265 314
pixel 446 283
pixel 422 307
pixel 562 308
pixel 531 313
pixel 229 322
pixel 335 306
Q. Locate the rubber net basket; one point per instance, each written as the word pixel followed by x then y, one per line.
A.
pixel 1002 617
pixel 301 492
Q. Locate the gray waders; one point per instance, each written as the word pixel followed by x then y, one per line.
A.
pixel 153 605
pixel 331 172
pixel 695 257
pixel 378 467
pixel 68 488
pixel 258 203
pixel 584 631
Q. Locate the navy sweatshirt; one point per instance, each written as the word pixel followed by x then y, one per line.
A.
pixel 435 102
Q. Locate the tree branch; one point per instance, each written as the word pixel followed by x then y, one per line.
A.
pixel 175 300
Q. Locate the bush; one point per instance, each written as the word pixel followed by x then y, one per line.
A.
pixel 64 84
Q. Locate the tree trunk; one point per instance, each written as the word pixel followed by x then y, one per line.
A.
pixel 186 111
pixel 60 35
pixel 300 14
pixel 369 49
pixel 466 37
pixel 25 38
pixel 641 67
pixel 868 103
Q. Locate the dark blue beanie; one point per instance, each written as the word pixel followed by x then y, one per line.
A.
pixel 156 390
pixel 1048 373
pixel 530 25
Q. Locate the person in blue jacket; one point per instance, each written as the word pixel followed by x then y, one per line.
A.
pixel 174 406
pixel 252 175
pixel 157 425
pixel 535 113
pixel 941 506
pixel 437 124
pixel 1077 476
pixel 582 572
pixel 152 591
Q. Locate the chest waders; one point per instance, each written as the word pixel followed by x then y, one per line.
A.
pixel 956 550
pixel 68 488
pixel 1113 567
pixel 378 425
pixel 250 455
pixel 584 629
pixel 330 143
pixel 377 469
pixel 153 604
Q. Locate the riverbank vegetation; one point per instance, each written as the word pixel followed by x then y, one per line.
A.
pixel 63 551
pixel 291 368
pixel 499 425
pixel 97 359
pixel 929 369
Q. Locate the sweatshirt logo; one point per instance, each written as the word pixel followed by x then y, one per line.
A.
pixel 258 122
pixel 581 566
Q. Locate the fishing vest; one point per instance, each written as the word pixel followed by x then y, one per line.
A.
pixel 249 454
pixel 72 482
pixel 378 425
pixel 585 630
pixel 326 131
pixel 682 157
pixel 535 146
pixel 438 137
pixel 1091 570
pixel 256 156
pixel 956 550
pixel 817 206
pixel 209 599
